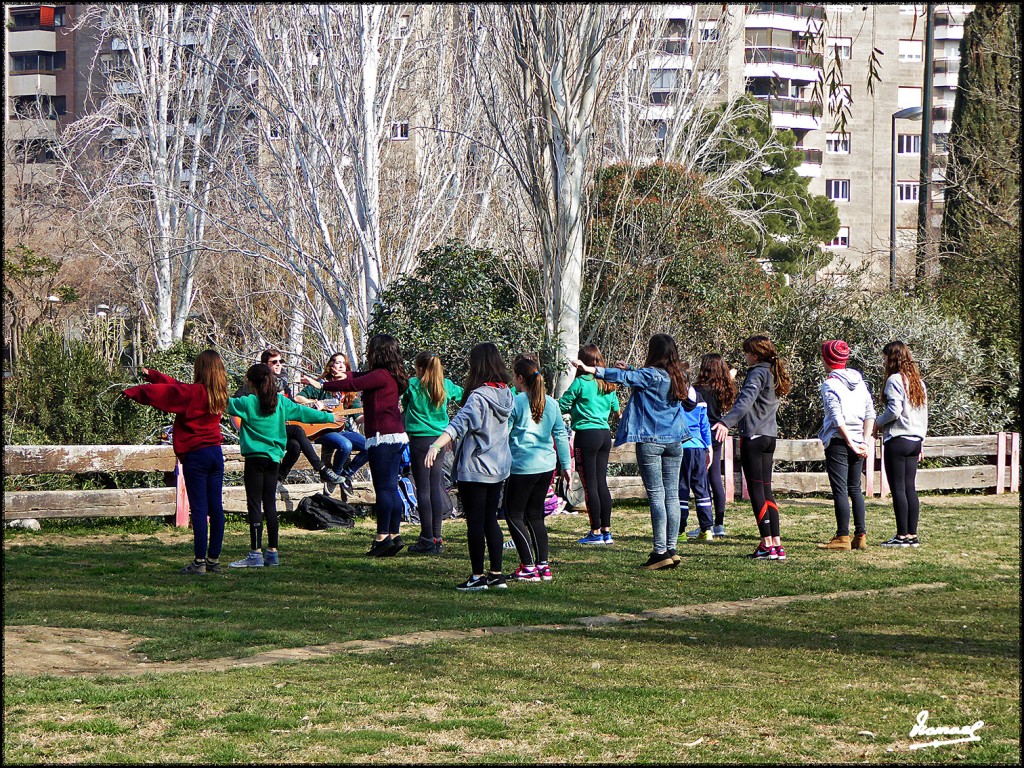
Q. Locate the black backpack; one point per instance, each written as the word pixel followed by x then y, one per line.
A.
pixel 320 512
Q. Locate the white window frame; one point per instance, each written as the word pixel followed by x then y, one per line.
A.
pixel 834 189
pixel 400 131
pixel 905 139
pixel 907 191
pixel 841 240
pixel 914 56
pixel 837 143
pixel 844 45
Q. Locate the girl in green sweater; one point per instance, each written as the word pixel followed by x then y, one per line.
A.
pixel 425 406
pixel 262 438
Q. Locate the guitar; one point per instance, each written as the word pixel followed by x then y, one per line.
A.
pixel 312 431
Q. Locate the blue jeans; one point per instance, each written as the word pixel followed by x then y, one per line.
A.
pixel 659 471
pixel 203 470
pixel 342 443
pixel 385 463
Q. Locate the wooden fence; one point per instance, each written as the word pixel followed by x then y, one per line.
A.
pixel 1001 472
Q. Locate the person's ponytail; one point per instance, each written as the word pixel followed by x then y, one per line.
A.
pixel 264 386
pixel 428 365
pixel 535 387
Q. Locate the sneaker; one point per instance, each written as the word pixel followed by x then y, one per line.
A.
pixel 896 541
pixel 693 534
pixel 437 547
pixel 422 546
pixel 396 545
pixel 780 553
pixel 592 538
pixel 379 548
pixel 912 541
pixel 676 559
pixel 329 476
pixel 658 560
pixel 860 541
pixel 195 568
pixel 496 581
pixel 545 571
pixel 272 558
pixel 212 566
pixel 253 560
pixel 473 584
pixel 526 573
pixel 705 535
pixel 718 531
pixel 762 554
pixel 346 483
pixel 607 536
pixel 509 545
pixel 837 542
pixel 330 488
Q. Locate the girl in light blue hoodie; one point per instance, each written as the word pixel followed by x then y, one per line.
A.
pixel 537 438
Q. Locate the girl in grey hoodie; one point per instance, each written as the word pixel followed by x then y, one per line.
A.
pixel 482 460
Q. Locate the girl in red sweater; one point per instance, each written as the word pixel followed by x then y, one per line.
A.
pixel 385 433
pixel 197 444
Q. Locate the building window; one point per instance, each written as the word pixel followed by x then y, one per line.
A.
pixel 837 190
pixel 58 17
pixel 906 191
pixel 911 50
pixel 38 61
pixel 709 31
pixel 399 131
pixel 908 144
pixel 941 143
pixel 843 46
pixel 45 107
pixel 404 26
pixel 663 85
pixel 841 240
pixel 837 143
pixel 908 97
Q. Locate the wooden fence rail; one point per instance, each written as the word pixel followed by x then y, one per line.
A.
pixel 1001 450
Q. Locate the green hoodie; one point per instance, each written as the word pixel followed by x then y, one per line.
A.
pixel 587 407
pixel 262 435
pixel 422 419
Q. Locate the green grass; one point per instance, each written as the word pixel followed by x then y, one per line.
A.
pixel 795 683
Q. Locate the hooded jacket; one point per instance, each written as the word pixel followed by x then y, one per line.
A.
pixel 846 401
pixel 481 427
pixel 900 418
pixel 756 405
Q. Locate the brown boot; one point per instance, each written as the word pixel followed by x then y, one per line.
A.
pixel 860 541
pixel 837 542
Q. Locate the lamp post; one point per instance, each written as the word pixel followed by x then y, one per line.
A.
pixel 52 300
pixel 910 113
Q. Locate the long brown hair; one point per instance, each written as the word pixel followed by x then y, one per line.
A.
pixel 761 347
pixel 899 360
pixel 209 371
pixel 431 375
pixel 347 398
pixel 714 375
pixel 382 351
pixel 663 353
pixel 264 385
pixel 485 366
pixel 535 386
pixel 591 355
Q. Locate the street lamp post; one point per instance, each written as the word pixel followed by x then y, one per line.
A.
pixel 52 300
pixel 910 113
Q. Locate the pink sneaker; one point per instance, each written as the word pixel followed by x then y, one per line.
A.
pixel 526 573
pixel 544 571
pixel 778 553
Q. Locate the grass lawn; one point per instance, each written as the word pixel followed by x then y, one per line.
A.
pixel 839 680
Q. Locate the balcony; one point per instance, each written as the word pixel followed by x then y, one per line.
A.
pixel 30 85
pixel 801 11
pixel 810 165
pixel 946 72
pixel 795 18
pixel 792 113
pixel 31 40
pixel 947 27
pixel 784 63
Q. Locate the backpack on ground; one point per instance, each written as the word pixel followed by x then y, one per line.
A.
pixel 320 512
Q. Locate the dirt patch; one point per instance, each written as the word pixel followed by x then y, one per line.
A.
pixel 37 650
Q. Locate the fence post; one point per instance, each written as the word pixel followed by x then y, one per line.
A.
pixel 869 467
pixel 883 481
pixel 1000 462
pixel 730 478
pixel 744 491
pixel 181 509
pixel 1015 462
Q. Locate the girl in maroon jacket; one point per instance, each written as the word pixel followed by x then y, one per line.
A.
pixel 385 433
pixel 197 444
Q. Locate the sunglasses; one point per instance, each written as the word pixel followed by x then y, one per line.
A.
pixel 276 362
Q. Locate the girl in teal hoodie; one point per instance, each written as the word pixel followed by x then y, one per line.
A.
pixel 262 438
pixel 537 439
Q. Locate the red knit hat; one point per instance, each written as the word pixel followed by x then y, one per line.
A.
pixel 835 353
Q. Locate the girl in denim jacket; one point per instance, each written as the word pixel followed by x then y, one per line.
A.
pixel 654 419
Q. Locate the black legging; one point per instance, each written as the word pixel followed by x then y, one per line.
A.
pixel 259 476
pixel 717 486
pixel 298 443
pixel 429 494
pixel 524 513
pixel 756 459
pixel 590 449
pixel 480 504
pixel 900 454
